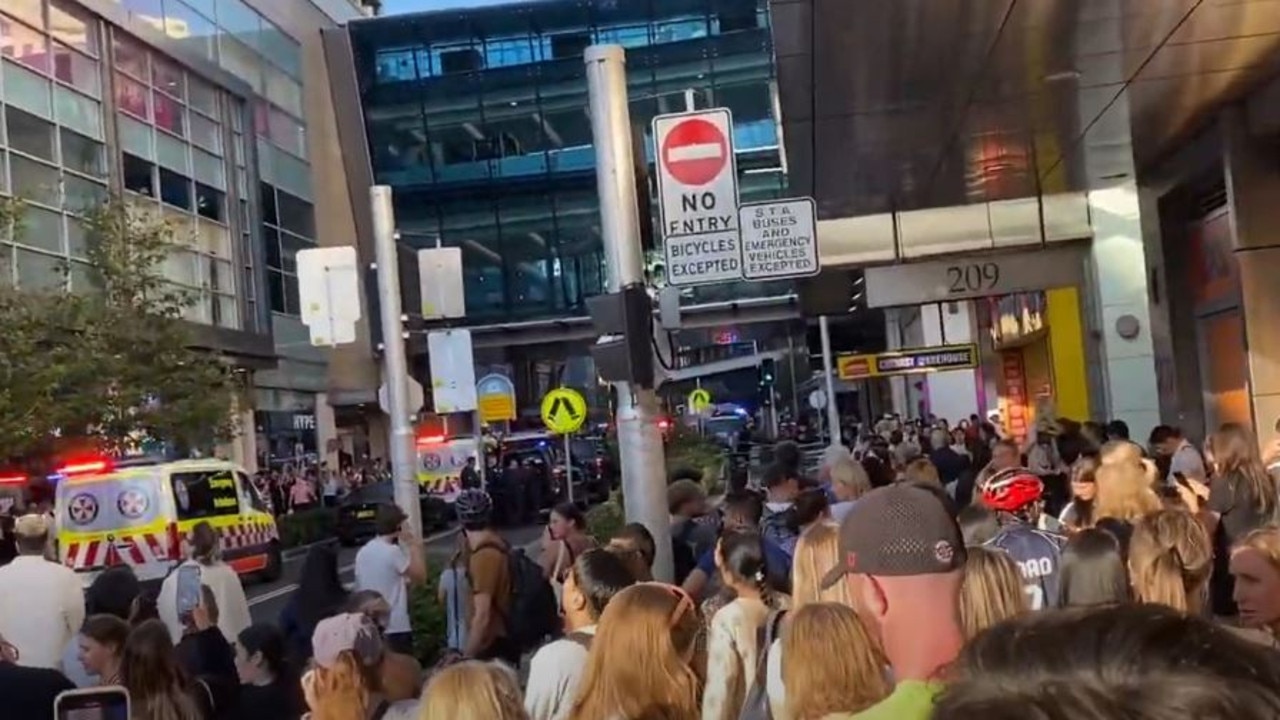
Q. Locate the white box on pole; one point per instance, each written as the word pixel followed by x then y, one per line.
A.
pixel 779 239
pixel 440 277
pixel 328 278
pixel 698 196
pixel 453 371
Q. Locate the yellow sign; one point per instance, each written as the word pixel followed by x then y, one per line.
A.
pixel 564 410
pixel 699 401
pixel 496 398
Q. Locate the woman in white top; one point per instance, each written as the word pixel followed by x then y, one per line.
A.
pixel 732 651
pixel 221 578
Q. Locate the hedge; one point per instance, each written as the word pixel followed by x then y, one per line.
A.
pixel 429 619
pixel 303 528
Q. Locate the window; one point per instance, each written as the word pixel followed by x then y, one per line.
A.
pixel 27 46
pixel 569 45
pixel 28 11
pixel 78 71
pixel 255 498
pixel 460 61
pixel 210 203
pixel 205 133
pixel 169 79
pixel 133 97
pixel 83 155
pixel 29 134
pixel 80 195
pixel 34 181
pixel 170 114
pixel 287 133
pixel 139 175
pixel 175 189
pixel 200 495
pixel 131 58
pixel 69 24
pixel 297 216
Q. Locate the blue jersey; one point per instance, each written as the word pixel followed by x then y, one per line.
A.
pixel 1038 555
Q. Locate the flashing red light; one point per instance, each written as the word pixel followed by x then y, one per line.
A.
pixel 430 439
pixel 664 424
pixel 13 479
pixel 85 468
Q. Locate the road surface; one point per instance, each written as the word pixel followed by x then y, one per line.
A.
pixel 266 600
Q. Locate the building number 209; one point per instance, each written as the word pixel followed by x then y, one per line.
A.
pixel 972 278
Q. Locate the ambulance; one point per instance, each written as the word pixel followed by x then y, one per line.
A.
pixel 140 512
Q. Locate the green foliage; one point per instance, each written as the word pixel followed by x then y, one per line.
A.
pixel 112 364
pixel 690 450
pixel 429 619
pixel 303 528
pixel 606 519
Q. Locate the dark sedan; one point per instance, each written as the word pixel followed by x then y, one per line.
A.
pixel 358 510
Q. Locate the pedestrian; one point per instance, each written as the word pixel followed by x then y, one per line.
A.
pixel 269 687
pixel 221 578
pixel 27 692
pixel 388 564
pixel 320 594
pixel 41 602
pixel 114 592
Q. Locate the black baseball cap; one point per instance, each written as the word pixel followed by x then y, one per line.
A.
pixel 898 530
pixel 389 519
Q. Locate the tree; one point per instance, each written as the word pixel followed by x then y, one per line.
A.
pixel 111 365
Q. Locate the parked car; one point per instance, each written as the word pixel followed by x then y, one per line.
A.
pixel 358 511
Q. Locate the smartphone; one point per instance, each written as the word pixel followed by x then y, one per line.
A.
pixel 100 703
pixel 188 595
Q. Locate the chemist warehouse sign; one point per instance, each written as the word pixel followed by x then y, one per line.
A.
pixel 708 237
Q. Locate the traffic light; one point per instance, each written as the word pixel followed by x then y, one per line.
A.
pixel 768 366
pixel 628 314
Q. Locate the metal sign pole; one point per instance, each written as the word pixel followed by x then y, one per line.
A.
pixel 640 448
pixel 828 372
pixel 395 364
pixel 568 466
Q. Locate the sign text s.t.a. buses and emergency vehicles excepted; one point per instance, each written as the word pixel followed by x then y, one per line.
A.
pixel 779 239
pixel 698 196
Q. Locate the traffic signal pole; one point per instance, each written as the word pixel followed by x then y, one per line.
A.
pixel 395 366
pixel 644 482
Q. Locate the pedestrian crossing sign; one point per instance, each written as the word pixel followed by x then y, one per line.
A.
pixel 564 410
pixel 699 401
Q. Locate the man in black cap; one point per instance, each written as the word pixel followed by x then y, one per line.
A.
pixel 903 556
pixel 388 564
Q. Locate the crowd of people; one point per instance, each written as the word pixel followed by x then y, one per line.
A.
pixel 297 487
pixel 942 573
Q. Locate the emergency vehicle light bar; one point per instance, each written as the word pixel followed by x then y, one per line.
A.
pixel 85 467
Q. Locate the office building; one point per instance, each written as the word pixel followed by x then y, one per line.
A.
pixel 215 113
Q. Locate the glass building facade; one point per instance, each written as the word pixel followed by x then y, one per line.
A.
pixel 478 120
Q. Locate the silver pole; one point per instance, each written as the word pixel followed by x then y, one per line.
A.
pixel 568 467
pixel 828 371
pixel 791 372
pixel 644 482
pixel 395 367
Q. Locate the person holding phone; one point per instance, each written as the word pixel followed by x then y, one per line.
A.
pixel 28 692
pixel 388 564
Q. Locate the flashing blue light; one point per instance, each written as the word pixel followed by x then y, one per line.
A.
pixel 542 443
pixel 740 412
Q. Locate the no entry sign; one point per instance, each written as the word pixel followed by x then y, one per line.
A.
pixel 698 194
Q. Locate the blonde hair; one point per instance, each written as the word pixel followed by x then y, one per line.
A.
pixel 340 692
pixel 817 551
pixel 1170 560
pixel 657 629
pixel 991 592
pixel 1235 457
pixel 488 690
pixel 921 471
pixel 1124 491
pixel 1265 540
pixel 829 663
pixel 849 473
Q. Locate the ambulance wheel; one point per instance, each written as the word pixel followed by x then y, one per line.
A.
pixel 275 564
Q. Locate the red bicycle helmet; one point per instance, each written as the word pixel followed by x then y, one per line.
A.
pixel 1012 490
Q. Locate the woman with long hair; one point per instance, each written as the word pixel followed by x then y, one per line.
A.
pixel 849 482
pixel 269 687
pixel 733 648
pixel 472 689
pixel 221 578
pixel 320 594
pixel 566 539
pixel 992 590
pixel 1124 489
pixel 656 628
pixel 1079 512
pixel 158 687
pixel 1093 571
pixel 830 665
pixel 1255 565
pixel 1240 498
pixel 102 642
pixel 1170 559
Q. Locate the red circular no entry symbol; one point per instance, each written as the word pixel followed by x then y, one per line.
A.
pixel 695 152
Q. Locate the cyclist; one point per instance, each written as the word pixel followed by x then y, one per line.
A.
pixel 1017 497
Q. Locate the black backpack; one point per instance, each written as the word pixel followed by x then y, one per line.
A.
pixel 533 615
pixel 756 706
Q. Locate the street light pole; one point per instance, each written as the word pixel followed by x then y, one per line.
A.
pixel 395 366
pixel 828 372
pixel 640 448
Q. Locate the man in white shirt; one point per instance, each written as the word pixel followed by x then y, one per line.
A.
pixel 557 668
pixel 387 564
pixel 41 602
